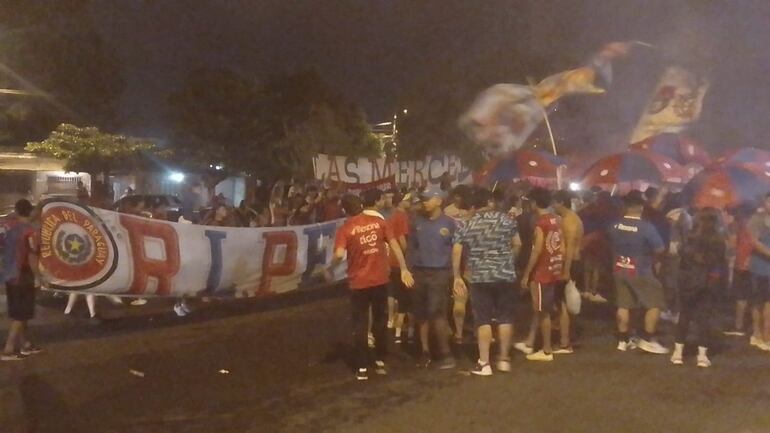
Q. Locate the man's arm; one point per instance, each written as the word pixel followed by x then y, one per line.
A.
pixel 459 287
pixel 537 248
pixel 516 245
pixel 406 276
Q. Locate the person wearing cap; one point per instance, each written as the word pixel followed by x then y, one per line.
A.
pixel 364 238
pixel 430 254
pixel 636 244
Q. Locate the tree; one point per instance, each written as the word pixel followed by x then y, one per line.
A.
pixel 220 117
pixel 54 51
pixel 92 151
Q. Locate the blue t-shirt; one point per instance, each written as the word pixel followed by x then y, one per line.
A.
pixel 430 242
pixel 759 229
pixel 487 238
pixel 634 243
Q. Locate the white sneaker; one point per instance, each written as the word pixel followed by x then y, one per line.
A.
pixel 759 344
pixel 676 358
pixel 504 365
pixel 651 346
pixel 564 351
pixel 390 324
pixel 704 361
pixel 179 310
pixel 185 307
pixel 622 346
pixel 482 369
pixel 540 356
pixel 522 347
pixel 138 302
pixel 371 340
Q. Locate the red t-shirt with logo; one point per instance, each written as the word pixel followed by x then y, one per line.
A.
pixel 365 237
pixel 548 268
pixel 743 248
pixel 399 222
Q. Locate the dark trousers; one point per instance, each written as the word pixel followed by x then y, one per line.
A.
pixel 696 306
pixel 360 301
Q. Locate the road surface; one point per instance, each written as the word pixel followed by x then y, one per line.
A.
pixel 251 366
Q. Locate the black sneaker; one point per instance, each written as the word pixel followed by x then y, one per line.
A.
pixel 482 369
pixel 447 363
pixel 362 374
pixel 379 368
pixel 424 360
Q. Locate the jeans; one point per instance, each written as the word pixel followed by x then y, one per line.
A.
pixel 360 301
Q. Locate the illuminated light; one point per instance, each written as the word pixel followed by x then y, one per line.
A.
pixel 176 177
pixel 406 111
pixel 219 167
pixel 767 173
pixel 574 186
pixel 533 163
pixel 667 166
pixel 604 172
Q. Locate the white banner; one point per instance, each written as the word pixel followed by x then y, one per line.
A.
pixel 105 252
pixel 365 170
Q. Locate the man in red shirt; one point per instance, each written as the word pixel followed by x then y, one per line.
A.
pixel 365 238
pixel 399 297
pixel 543 272
pixel 21 267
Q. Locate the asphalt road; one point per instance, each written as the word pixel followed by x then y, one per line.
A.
pixel 251 366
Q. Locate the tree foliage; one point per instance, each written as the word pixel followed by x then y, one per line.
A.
pixel 53 51
pixel 269 129
pixel 92 151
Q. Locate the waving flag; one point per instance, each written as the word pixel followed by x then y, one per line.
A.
pixel 503 116
pixel 676 103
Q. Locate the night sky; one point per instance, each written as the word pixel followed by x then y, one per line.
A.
pixel 376 50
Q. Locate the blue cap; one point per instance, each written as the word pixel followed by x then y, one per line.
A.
pixel 433 191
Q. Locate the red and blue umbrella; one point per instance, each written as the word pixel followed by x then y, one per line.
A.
pixel 634 167
pixel 522 164
pixel 683 150
pixel 725 187
pixel 746 156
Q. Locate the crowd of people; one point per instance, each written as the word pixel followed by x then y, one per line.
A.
pixel 416 260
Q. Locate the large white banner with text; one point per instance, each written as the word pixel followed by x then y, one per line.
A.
pixel 105 252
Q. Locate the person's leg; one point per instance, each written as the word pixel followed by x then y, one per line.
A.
pixel 13 343
pixel 393 288
pixel 485 342
pixel 458 314
pixel 756 323
pixel 438 301
pixel 651 318
pixel 564 326
pixel 91 301
pixel 623 317
pixel 545 329
pixel 505 332
pixel 378 297
pixel 424 327
pixel 359 309
pixel 71 300
pixel 766 322
pixel 532 332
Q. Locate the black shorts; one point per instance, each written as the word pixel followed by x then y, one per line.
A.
pixel 493 301
pixel 760 290
pixel 742 289
pixel 21 299
pixel 544 296
pixel 397 290
pixel 430 297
